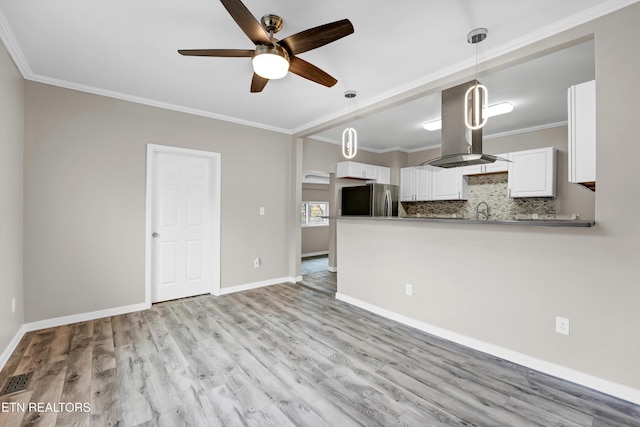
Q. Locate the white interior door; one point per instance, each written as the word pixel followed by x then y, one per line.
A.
pixel 181 226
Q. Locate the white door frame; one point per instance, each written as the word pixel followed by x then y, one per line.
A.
pixel 152 150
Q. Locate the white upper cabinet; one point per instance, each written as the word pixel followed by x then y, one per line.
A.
pixel 423 182
pixel 582 132
pixel 383 175
pixel 497 166
pixel 363 171
pixel 448 184
pixel 415 184
pixel 473 170
pixel 407 190
pixel 532 173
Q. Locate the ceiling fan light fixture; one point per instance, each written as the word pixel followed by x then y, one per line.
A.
pixel 270 62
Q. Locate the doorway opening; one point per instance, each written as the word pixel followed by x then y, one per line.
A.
pixel 316 233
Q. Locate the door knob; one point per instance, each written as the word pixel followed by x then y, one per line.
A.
pixel 155 235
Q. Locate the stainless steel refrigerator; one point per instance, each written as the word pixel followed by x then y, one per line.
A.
pixel 370 200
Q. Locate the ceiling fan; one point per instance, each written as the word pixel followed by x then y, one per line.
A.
pixel 273 58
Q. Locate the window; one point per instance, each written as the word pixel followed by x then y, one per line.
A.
pixel 312 213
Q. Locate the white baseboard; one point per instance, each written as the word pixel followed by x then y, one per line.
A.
pixel 298 279
pixel 605 386
pixel 11 347
pixel 332 269
pixel 83 317
pixel 255 285
pixel 315 254
pixel 65 320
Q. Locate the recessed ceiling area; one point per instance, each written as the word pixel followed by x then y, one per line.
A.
pixel 537 89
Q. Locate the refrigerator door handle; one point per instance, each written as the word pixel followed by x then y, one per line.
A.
pixel 387 203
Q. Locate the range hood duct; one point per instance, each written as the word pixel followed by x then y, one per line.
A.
pixel 461 146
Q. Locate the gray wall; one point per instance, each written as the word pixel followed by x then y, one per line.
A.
pixel 11 189
pixel 85 161
pixel 315 239
pixel 505 285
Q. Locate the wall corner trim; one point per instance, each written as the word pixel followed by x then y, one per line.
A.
pixel 605 386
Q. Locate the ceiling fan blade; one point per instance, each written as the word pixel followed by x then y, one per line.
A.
pixel 227 53
pixel 246 21
pixel 311 72
pixel 316 37
pixel 258 83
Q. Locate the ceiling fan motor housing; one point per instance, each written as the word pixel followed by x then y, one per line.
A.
pixel 271 23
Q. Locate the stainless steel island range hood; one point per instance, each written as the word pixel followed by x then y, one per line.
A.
pixel 461 146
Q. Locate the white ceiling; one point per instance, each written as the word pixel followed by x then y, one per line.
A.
pixel 127 49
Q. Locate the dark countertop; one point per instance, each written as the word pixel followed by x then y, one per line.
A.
pixel 523 222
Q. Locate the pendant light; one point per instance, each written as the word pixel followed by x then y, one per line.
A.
pixel 477 97
pixel 350 136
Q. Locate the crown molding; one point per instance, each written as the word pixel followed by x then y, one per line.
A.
pixel 151 102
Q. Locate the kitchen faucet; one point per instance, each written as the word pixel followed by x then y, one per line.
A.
pixel 484 212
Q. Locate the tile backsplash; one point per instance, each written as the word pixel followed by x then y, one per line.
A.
pixel 492 189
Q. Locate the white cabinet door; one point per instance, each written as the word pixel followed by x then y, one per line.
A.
pixel 498 165
pixel 384 175
pixel 415 184
pixel 448 184
pixel 363 171
pixel 473 170
pixel 348 170
pixel 422 183
pixel 532 173
pixel 582 132
pixel 369 171
pixel 407 191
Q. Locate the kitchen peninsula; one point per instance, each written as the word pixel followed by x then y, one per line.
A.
pixel 453 220
pixel 471 282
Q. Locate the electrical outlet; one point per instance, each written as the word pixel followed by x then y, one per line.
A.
pixel 261 210
pixel 534 216
pixel 408 289
pixel 562 325
pixel 256 263
pixel 13 305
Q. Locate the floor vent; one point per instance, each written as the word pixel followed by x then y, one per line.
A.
pixel 17 383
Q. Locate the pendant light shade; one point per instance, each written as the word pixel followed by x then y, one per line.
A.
pixel 350 135
pixel 349 143
pixel 475 105
pixel 270 62
pixel 476 98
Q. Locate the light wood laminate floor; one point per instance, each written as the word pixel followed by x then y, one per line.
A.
pixel 315 275
pixel 283 355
